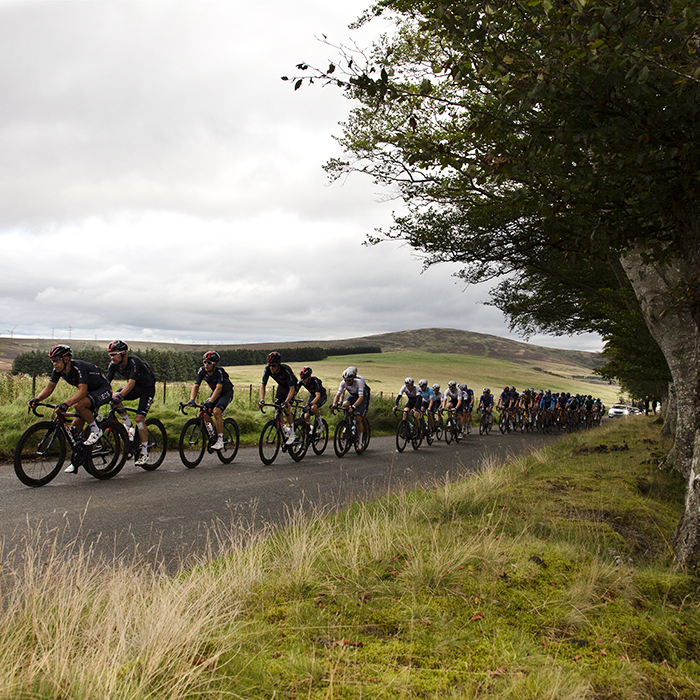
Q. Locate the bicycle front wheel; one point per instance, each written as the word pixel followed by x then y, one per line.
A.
pixel 416 433
pixel 232 439
pixel 298 448
pixel 341 439
pixel 402 435
pixel 39 454
pixel 157 444
pixel 269 443
pixel 193 442
pixel 448 430
pixel 107 456
pixel 319 439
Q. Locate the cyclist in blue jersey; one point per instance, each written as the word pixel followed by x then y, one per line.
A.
pixel 93 391
pixel 141 385
pixel 317 395
pixel 428 399
pixel 220 397
pixel 286 389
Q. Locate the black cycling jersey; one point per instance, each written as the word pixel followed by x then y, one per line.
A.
pixel 218 376
pixel 82 372
pixel 314 386
pixel 284 376
pixel 135 369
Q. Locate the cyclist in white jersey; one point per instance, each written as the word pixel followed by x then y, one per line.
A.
pixel 358 397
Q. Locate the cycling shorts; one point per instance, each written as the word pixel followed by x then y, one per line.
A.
pixel 223 401
pixel 321 401
pixel 145 396
pixel 100 396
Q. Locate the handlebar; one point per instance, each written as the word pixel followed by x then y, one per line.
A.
pixel 53 406
pixel 182 406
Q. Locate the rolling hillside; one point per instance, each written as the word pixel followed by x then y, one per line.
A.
pixel 432 340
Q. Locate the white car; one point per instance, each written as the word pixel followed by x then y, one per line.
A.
pixel 621 409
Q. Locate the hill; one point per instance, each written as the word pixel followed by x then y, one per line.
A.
pixel 433 340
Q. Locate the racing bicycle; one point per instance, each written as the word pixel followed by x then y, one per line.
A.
pixel 272 436
pixel 157 440
pixel 346 435
pixel 198 435
pixel 43 448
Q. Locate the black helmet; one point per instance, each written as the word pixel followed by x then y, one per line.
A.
pixel 117 346
pixel 211 356
pixel 305 372
pixel 274 358
pixel 59 351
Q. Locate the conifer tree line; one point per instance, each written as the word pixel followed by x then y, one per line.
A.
pixel 179 366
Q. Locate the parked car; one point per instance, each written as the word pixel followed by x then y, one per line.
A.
pixel 621 409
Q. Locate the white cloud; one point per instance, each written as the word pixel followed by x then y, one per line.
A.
pixel 160 181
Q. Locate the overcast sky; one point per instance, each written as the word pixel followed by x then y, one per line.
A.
pixel 161 182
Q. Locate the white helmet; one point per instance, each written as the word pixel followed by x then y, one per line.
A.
pixel 436 387
pixel 423 382
pixel 408 381
pixel 350 373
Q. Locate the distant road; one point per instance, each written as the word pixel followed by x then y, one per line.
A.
pixel 166 516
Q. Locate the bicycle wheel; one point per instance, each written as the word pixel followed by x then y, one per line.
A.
pixel 157 444
pixel 269 443
pixel 107 456
pixel 192 443
pixel 448 430
pixel 231 441
pixel 402 435
pixel 416 433
pixel 319 438
pixel 438 430
pixel 298 448
pixel 427 431
pixel 503 422
pixel 362 446
pixel 40 453
pixel 482 424
pixel 341 439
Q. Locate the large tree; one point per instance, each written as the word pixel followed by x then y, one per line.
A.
pixel 513 129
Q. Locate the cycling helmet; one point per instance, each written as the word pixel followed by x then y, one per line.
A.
pixel 274 358
pixel 436 387
pixel 505 388
pixel 423 382
pixel 59 351
pixel 452 385
pixel 350 373
pixel 408 381
pixel 487 390
pixel 462 386
pixel 117 346
pixel 305 372
pixel 211 356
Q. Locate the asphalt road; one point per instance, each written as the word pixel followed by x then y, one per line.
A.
pixel 167 517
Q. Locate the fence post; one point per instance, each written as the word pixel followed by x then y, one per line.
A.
pixel 165 382
pixel 250 395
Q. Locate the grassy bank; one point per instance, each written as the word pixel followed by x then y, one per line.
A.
pixel 550 577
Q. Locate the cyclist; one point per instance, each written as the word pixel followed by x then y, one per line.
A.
pixel 437 402
pixel 358 397
pixel 452 397
pixel 317 396
pixel 467 408
pixel 286 388
pixel 414 398
pixel 141 385
pixel 220 397
pixel 93 391
pixel 485 405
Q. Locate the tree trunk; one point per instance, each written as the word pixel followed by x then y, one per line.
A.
pixel 676 332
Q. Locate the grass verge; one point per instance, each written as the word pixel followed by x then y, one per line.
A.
pixel 549 577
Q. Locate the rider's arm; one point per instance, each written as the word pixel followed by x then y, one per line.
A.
pixel 126 389
pixel 46 391
pixel 194 392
